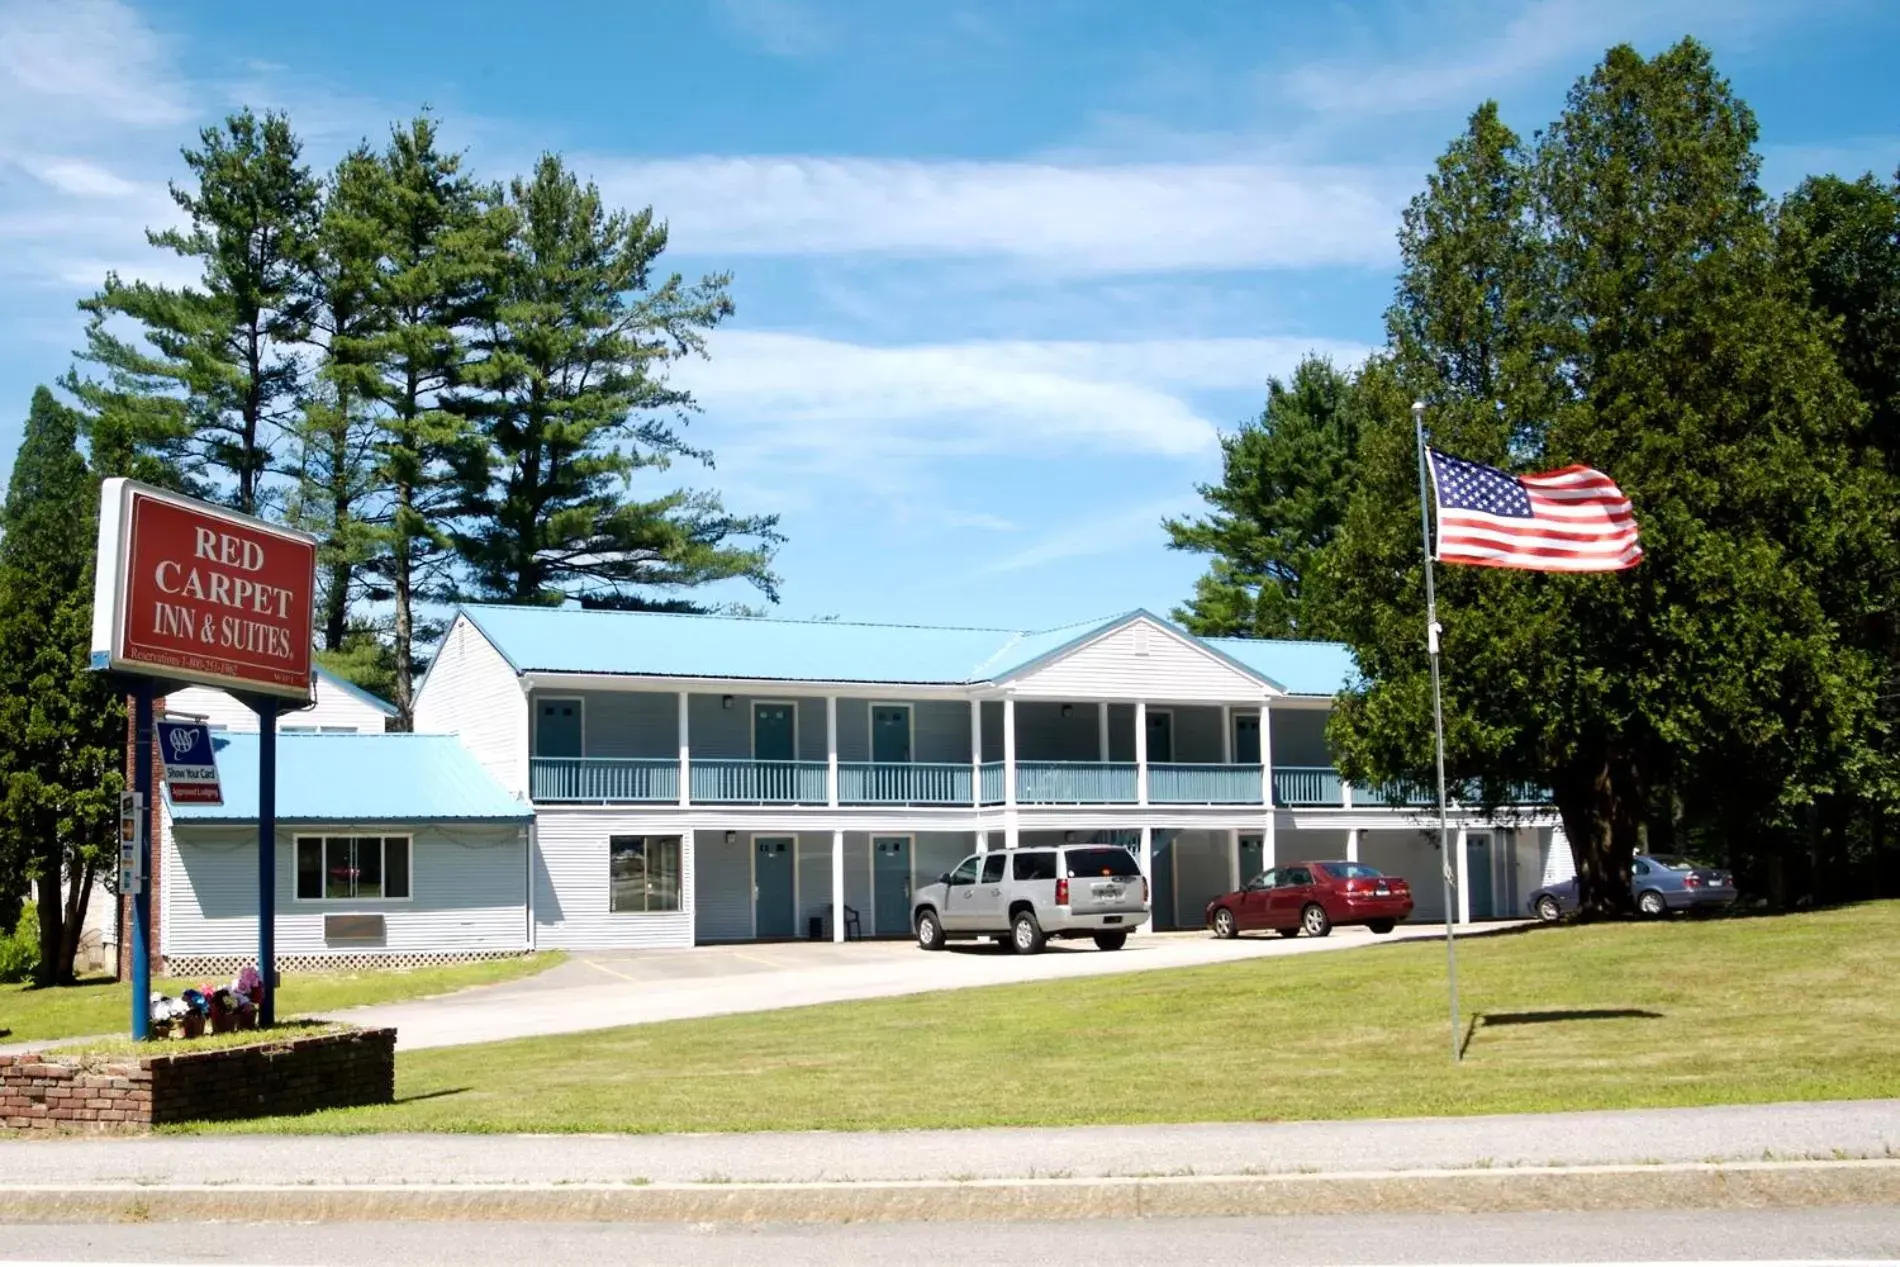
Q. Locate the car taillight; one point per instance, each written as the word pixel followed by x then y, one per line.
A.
pixel 1144 890
pixel 1692 881
pixel 1062 892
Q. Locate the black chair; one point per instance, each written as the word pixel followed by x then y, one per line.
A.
pixel 853 931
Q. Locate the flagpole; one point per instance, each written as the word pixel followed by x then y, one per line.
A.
pixel 1438 726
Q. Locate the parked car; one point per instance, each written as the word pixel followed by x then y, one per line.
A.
pixel 1026 896
pixel 1660 883
pixel 1312 898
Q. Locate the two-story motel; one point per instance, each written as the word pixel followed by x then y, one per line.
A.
pixel 593 779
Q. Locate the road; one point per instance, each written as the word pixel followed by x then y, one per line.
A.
pixel 1765 1236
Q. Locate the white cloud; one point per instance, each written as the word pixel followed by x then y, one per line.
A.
pixel 779 27
pixel 88 58
pixel 1062 218
pixel 1135 528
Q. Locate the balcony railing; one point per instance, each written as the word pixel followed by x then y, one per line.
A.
pixel 603 779
pixel 758 782
pixel 1307 785
pixel 894 783
pixel 1179 784
pixel 993 783
pixel 1075 783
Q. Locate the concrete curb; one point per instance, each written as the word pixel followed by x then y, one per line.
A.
pixel 1712 1186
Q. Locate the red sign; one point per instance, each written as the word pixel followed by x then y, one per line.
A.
pixel 202 594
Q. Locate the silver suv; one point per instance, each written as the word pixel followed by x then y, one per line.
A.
pixel 1026 896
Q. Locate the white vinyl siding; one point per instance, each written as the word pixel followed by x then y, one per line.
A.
pixel 1114 667
pixel 472 692
pixel 571 886
pixel 722 886
pixel 332 709
pixel 469 881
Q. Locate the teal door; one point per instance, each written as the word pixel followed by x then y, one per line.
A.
pixel 557 728
pixel 1478 875
pixel 774 732
pixel 890 732
pixel 772 887
pixel 1252 857
pixel 1160 738
pixel 1162 881
pixel 890 881
pixel 1247 740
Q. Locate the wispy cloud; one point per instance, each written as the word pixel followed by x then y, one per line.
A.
pixel 1058 218
pixel 1131 528
pixel 782 28
pixel 844 408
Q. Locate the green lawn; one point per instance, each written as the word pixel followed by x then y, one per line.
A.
pixel 1684 1012
pixel 104 1006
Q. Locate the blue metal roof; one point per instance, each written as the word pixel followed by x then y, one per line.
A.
pixel 348 687
pixel 666 644
pixel 357 779
pixel 1302 668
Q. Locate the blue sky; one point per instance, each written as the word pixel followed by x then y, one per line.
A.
pixel 1003 271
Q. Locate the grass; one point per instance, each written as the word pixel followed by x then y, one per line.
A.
pixel 103 1006
pixel 1653 1014
pixel 111 1048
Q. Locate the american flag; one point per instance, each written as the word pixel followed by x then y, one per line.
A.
pixel 1571 520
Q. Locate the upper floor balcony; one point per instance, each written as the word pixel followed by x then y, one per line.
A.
pixel 645 747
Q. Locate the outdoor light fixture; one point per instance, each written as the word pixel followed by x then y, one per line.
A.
pixel 732 837
pixel 1068 710
pixel 725 701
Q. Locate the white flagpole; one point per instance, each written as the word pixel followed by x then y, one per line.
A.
pixel 1438 727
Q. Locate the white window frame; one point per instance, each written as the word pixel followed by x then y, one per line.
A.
pixel 353 835
pixel 1153 713
pixel 870 729
pixel 753 728
pixel 679 839
pixel 534 740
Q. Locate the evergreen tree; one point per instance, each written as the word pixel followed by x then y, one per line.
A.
pixel 439 240
pixel 1644 328
pixel 63 725
pixel 1283 491
pixel 574 404
pixel 213 376
pixel 335 494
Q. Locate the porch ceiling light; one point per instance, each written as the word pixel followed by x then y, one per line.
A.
pixel 1068 710
pixel 732 837
pixel 725 701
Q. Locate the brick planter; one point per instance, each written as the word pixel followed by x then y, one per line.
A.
pixel 270 1078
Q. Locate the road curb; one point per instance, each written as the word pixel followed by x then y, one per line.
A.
pixel 1477 1191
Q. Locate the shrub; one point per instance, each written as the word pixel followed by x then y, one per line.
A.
pixel 20 951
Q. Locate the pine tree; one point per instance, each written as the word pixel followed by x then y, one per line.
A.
pixel 63 724
pixel 213 377
pixel 574 404
pixel 1283 491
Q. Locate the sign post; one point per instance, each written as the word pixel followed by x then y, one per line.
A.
pixel 192 593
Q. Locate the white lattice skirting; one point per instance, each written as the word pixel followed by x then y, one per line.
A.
pixel 224 967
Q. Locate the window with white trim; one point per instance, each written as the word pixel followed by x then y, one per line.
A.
pixel 352 868
pixel 643 874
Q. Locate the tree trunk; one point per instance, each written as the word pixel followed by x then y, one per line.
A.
pixel 78 895
pixel 52 906
pixel 336 607
pixel 405 618
pixel 1601 804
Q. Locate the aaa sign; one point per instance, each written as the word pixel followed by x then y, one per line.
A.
pixel 194 593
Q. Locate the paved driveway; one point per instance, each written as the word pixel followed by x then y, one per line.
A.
pixel 597 990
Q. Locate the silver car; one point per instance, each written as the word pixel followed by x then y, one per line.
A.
pixel 1026 896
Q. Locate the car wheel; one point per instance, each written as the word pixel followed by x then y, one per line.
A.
pixel 1025 933
pixel 929 931
pixel 1549 910
pixel 1314 921
pixel 1225 927
pixel 1380 926
pixel 1110 941
pixel 1651 904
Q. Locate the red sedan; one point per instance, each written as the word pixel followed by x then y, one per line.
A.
pixel 1311 897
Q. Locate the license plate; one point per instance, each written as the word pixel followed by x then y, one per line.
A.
pixel 1108 890
pixel 1111 919
pixel 1382 891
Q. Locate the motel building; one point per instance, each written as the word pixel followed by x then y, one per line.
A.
pixel 595 780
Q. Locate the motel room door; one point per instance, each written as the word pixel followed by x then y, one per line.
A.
pixel 772 887
pixel 890 867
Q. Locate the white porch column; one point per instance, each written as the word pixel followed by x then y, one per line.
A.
pixel 1010 832
pixel 831 760
pixel 1226 734
pixel 1269 847
pixel 1352 844
pixel 686 751
pixel 1233 858
pixel 1464 878
pixel 976 752
pixel 837 875
pixel 1101 731
pixel 982 842
pixel 1148 863
pixel 1141 752
pixel 1345 793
